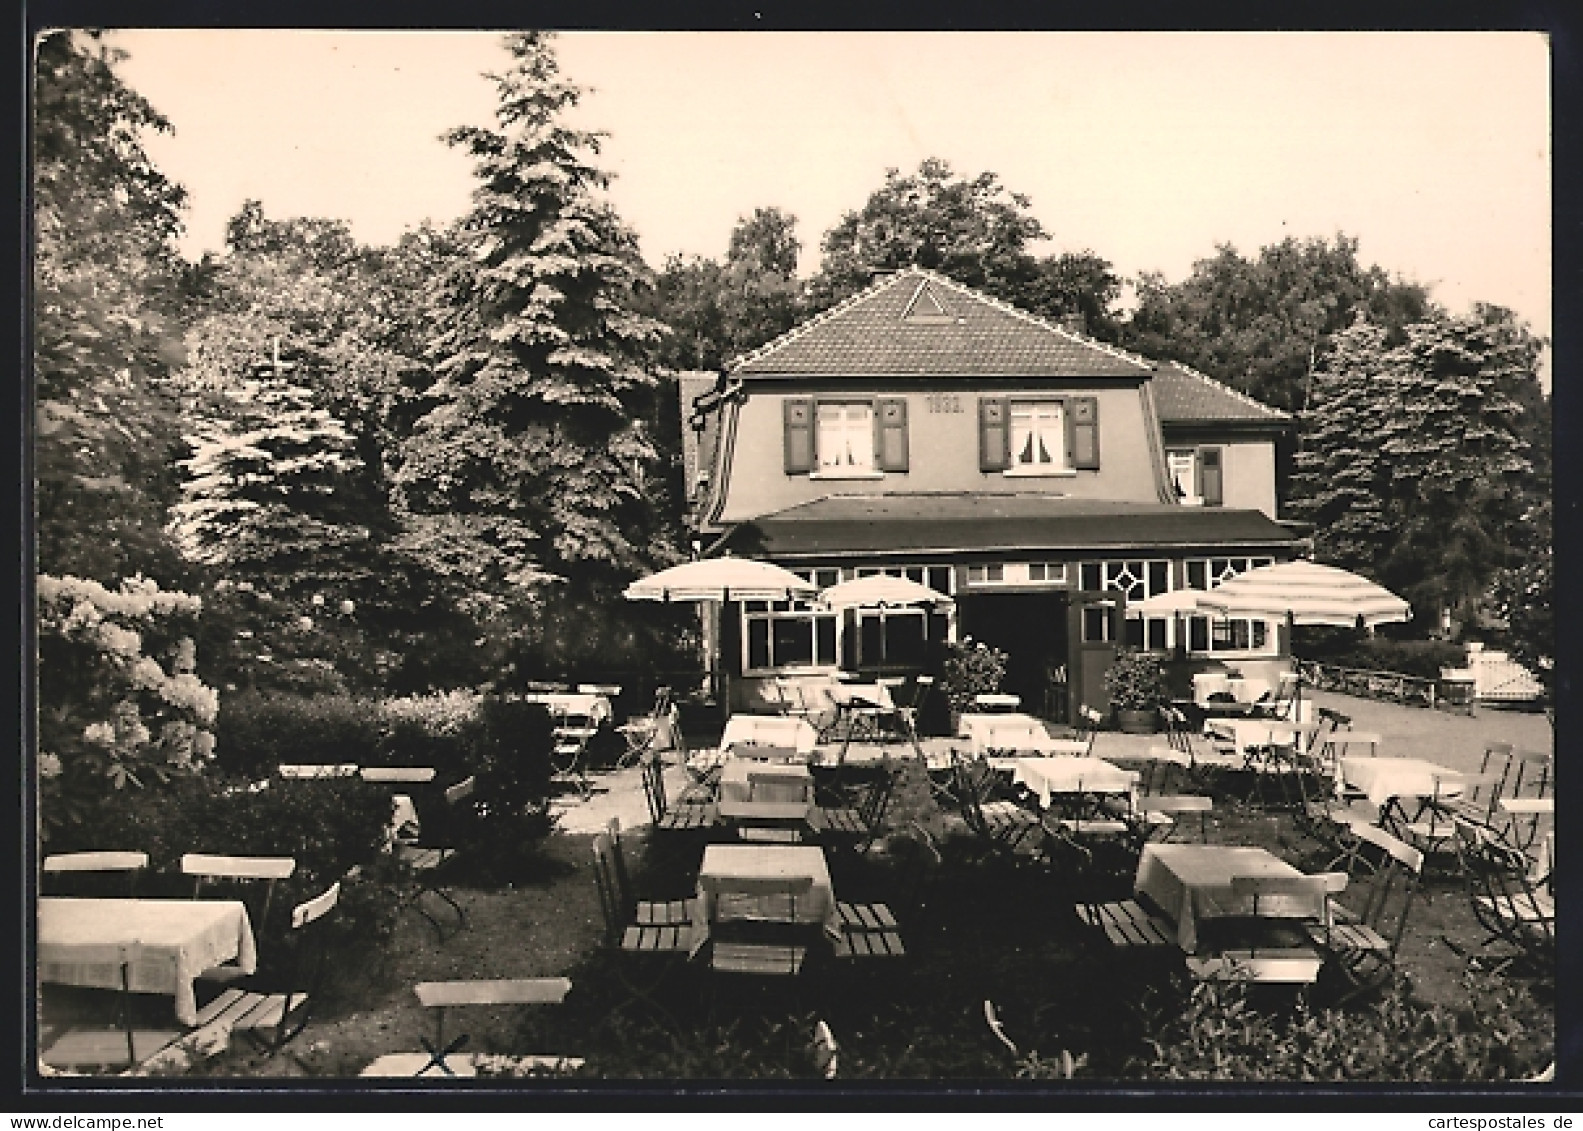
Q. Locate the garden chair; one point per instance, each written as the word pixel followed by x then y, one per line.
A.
pixel 1269 945
pixel 1162 812
pixel 279 1004
pixel 644 912
pixel 1324 817
pixel 446 1056
pixel 910 712
pixel 1127 924
pixel 1363 943
pixel 999 823
pixel 659 946
pixel 650 734
pixel 1204 766
pixel 825 1050
pixel 1433 828
pixel 1506 902
pixel 743 942
pixel 240 872
pixel 689 818
pixel 424 867
pixel 857 827
pixel 122 1047
pixel 83 873
pixel 868 930
pixel 1087 727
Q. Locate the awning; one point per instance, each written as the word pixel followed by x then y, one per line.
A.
pixel 961 523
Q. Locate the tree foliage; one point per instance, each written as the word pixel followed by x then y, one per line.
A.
pixel 106 291
pixel 1413 466
pixel 716 311
pixel 1261 324
pixel 534 461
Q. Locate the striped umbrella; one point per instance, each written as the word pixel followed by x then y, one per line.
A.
pixel 1306 593
pixel 720 579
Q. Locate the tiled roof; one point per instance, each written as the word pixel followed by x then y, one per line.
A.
pixel 1186 396
pixel 952 523
pixel 920 323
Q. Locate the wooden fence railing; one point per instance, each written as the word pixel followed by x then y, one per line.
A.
pixel 1410 690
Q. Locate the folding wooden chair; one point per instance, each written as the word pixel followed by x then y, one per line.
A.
pixel 279 1005
pixel 644 912
pixel 242 871
pixel 1506 902
pixel 1363 943
pixel 1127 924
pixel 83 873
pixel 868 930
pixel 424 865
pixel 661 944
pixel 857 827
pixel 999 823
pixel 744 940
pixel 1162 812
pixel 1324 817
pixel 1270 945
pixel 650 734
pixel 446 1056
pixel 667 818
pixel 123 1047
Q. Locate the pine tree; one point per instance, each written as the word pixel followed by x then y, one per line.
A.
pixel 536 460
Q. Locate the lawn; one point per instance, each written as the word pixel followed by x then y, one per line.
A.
pixel 977 929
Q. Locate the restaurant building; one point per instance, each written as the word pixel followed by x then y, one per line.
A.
pixel 1040 478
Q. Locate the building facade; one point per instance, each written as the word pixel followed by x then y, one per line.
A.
pixel 1041 479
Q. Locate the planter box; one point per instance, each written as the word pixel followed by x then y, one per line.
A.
pixel 1137 722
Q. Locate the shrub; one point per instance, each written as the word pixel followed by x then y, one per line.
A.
pixel 1221 1036
pixel 1135 681
pixel 258 732
pixel 120 703
pixel 970 668
pixel 510 818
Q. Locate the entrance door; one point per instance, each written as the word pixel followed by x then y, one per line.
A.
pixel 1031 628
pixel 1093 628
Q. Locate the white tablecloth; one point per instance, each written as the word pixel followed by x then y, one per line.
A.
pixel 1190 882
pixel 573 707
pixel 769 730
pixel 180 939
pixel 1381 779
pixel 1003 731
pixel 1066 774
pixel 1248 734
pixel 790 781
pixel 725 863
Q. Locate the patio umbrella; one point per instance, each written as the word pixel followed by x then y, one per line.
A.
pixel 1306 593
pixel 881 591
pixel 720 579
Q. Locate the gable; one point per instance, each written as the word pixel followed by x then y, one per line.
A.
pixel 917 323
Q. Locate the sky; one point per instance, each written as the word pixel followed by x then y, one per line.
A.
pixel 1150 149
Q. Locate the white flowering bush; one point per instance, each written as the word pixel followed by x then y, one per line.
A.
pixel 445 714
pixel 120 703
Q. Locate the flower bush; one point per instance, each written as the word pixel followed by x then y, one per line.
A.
pixel 970 668
pixel 120 703
pixel 1135 681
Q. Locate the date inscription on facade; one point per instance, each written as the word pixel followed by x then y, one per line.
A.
pixel 944 402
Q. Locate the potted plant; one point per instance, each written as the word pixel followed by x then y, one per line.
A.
pixel 1136 685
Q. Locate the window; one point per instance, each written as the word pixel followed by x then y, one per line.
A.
pixel 845 437
pixel 1047 571
pixel 1048 436
pixel 799 634
pixel 992 574
pixel 1137 579
pixel 856 437
pixel 1038 437
pixel 1206 573
pixel 1197 475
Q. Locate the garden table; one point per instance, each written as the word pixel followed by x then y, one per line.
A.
pixel 771 730
pixel 1012 731
pixel 1383 780
pixel 779 781
pixel 1189 883
pixel 573 708
pixel 1256 734
pixel 1065 774
pixel 724 864
pixel 180 938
